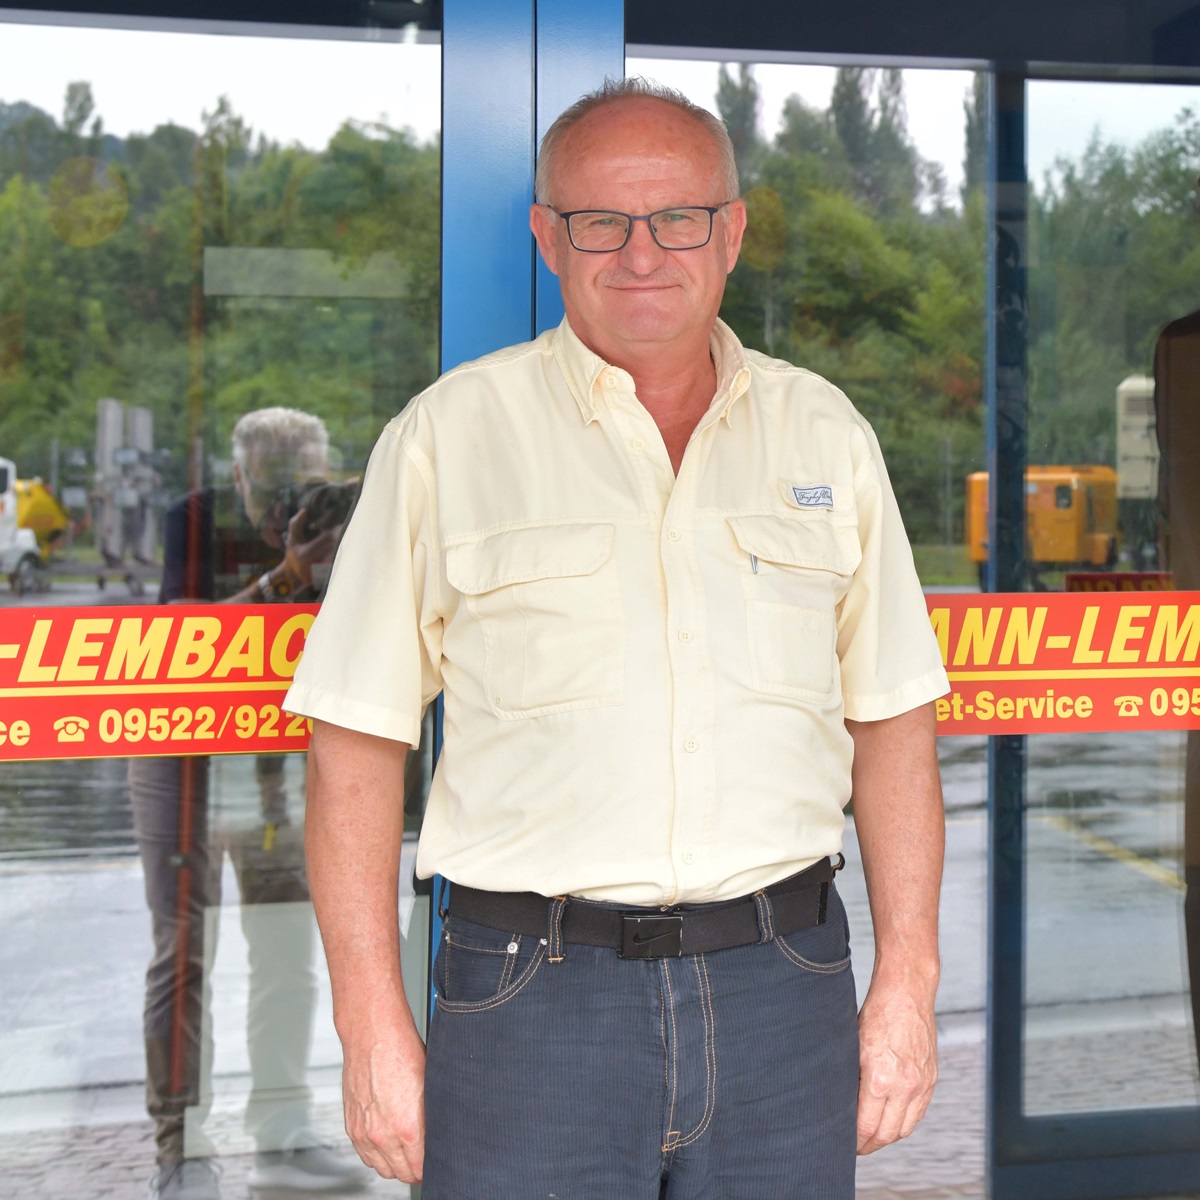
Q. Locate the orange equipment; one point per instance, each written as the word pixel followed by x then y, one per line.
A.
pixel 1070 517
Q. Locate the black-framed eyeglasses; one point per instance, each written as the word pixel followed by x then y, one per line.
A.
pixel 601 231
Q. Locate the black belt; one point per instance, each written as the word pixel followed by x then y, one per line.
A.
pixel 796 903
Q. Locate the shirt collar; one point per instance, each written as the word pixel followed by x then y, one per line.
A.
pixel 589 377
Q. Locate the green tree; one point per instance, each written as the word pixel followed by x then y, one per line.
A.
pixel 975 136
pixel 738 104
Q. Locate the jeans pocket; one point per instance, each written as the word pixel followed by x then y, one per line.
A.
pixel 478 968
pixel 821 949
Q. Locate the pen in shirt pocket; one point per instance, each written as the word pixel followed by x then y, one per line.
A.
pixel 754 563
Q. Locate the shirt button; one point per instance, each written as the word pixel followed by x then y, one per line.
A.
pixel 691 745
pixel 685 635
pixel 689 856
pixel 639 443
pixel 672 535
pixel 609 382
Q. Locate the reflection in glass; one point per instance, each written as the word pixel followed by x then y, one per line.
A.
pixel 203 328
pixel 1112 221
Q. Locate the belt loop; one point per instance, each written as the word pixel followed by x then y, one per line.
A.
pixel 766 916
pixel 554 937
pixel 824 903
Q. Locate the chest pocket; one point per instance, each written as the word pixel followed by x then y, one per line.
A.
pixel 548 601
pixel 795 571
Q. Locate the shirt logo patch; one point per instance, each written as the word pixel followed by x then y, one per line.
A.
pixel 820 496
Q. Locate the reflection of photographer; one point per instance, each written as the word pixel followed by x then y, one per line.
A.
pixel 269 538
pixel 286 503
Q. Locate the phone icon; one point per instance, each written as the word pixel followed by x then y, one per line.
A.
pixel 71 729
pixel 1128 706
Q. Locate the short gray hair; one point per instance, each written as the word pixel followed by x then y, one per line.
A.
pixel 289 443
pixel 635 86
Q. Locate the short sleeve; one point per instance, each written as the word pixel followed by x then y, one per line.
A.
pixel 372 660
pixel 890 661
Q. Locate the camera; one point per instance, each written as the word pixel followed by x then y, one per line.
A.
pixel 326 506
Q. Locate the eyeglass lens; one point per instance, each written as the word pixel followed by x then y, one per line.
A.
pixel 673 228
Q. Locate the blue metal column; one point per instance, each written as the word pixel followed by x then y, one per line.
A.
pixel 487 176
pixel 578 46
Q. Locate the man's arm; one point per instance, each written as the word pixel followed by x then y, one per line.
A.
pixel 353 830
pixel 901 831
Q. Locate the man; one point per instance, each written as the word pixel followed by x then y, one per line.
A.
pixel 245 545
pixel 664 587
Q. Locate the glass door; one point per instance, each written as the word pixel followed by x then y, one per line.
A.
pixel 219 278
pixel 1094 1082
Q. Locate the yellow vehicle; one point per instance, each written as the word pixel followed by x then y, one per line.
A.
pixel 38 510
pixel 1070 517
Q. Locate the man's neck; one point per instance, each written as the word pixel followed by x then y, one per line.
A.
pixel 671 381
pixel 676 390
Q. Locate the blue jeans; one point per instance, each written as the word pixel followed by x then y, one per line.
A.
pixel 724 1076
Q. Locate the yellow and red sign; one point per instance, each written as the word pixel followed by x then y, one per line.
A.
pixel 175 679
pixel 210 679
pixel 1068 662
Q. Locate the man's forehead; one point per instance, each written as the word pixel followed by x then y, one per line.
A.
pixel 630 136
pixel 641 119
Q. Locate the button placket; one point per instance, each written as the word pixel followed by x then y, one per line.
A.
pixel 690 673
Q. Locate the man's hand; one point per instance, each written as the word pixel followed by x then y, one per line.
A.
pixel 897 1057
pixel 898 818
pixel 300 557
pixel 383 1095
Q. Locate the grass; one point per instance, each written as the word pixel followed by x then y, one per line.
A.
pixel 946 566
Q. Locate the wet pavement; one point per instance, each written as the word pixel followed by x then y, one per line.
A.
pixel 1106 1013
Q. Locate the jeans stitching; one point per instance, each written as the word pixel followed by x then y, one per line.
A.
pixel 710 1052
pixel 510 962
pixel 672 1135
pixel 501 997
pixel 662 1018
pixel 816 968
pixel 766 916
pixel 474 949
pixel 557 906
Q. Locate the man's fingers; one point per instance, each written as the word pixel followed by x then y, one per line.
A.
pixel 393 1158
pixel 880 1123
pixel 388 1133
pixel 894 1093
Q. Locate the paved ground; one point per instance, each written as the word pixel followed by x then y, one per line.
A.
pixel 1105 1018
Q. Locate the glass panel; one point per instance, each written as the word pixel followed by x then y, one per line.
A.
pixel 864 261
pixel 219 278
pixel 1113 259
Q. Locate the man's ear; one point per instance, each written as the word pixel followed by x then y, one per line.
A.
pixel 546 228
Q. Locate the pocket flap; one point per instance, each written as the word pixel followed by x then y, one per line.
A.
pixel 523 555
pixel 811 540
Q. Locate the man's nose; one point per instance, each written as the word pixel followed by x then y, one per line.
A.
pixel 641 252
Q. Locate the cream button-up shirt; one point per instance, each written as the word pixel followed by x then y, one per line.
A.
pixel 645 676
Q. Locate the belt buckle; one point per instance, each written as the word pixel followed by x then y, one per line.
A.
pixel 652 937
